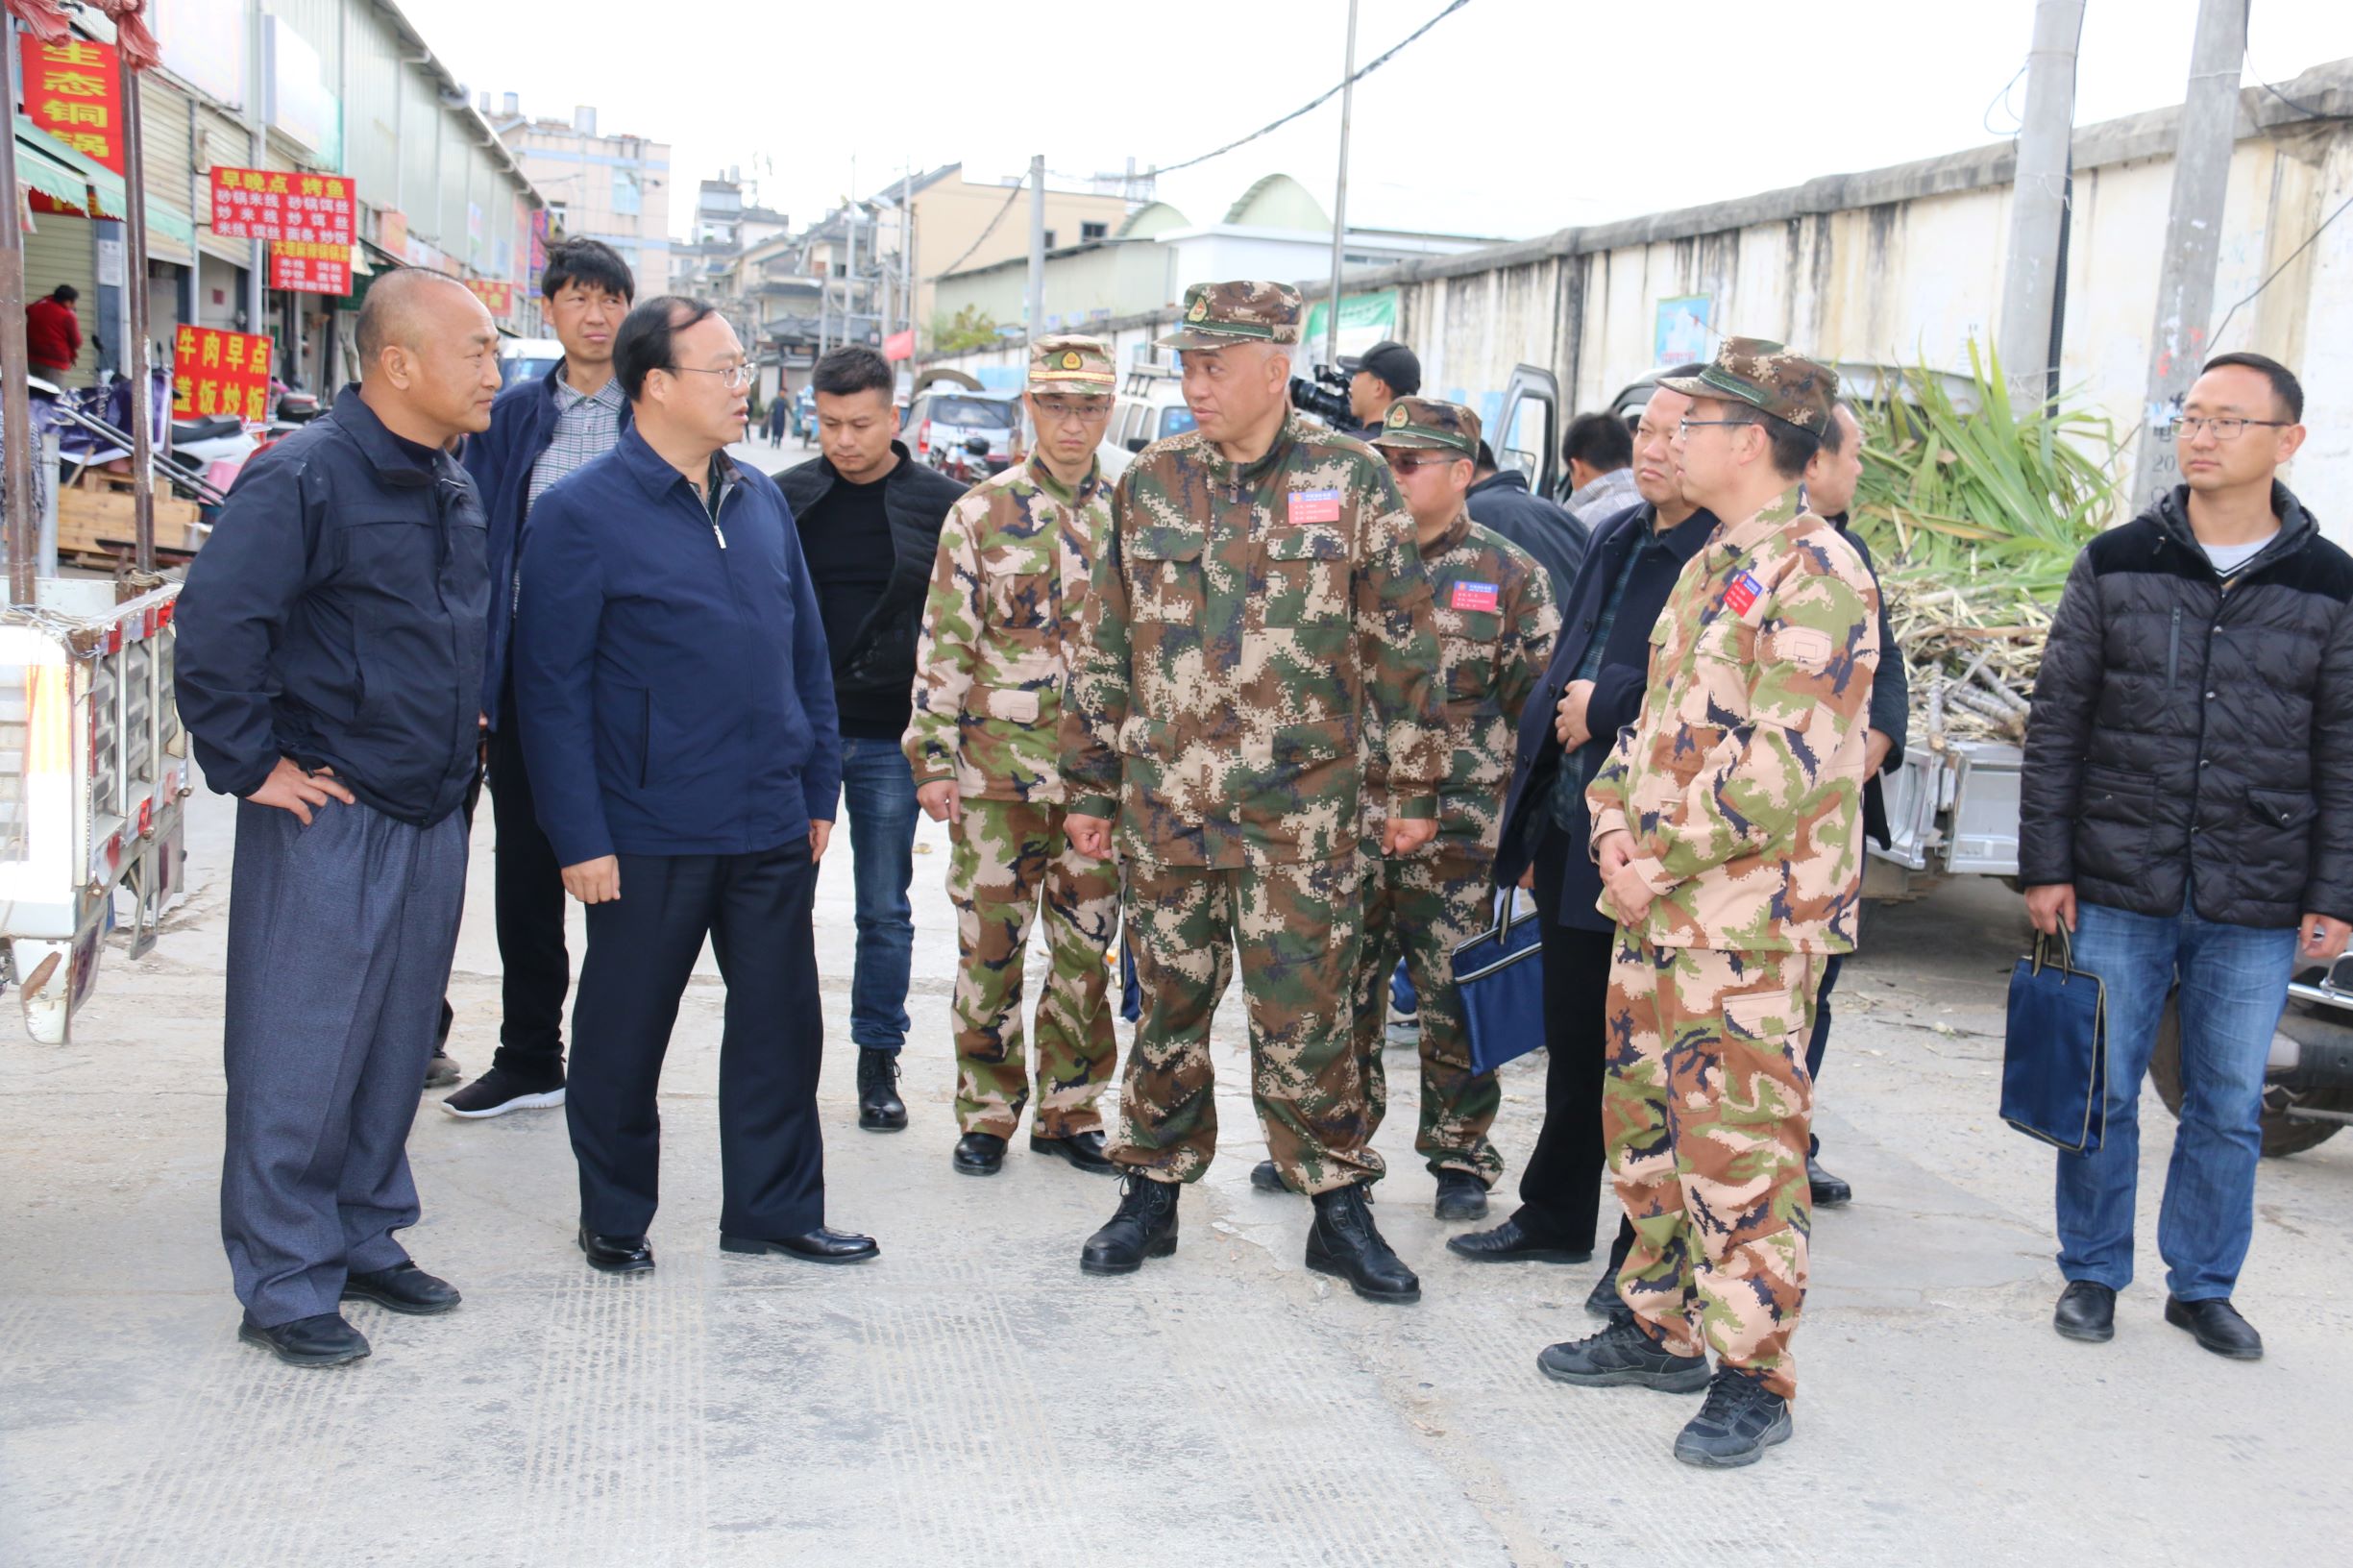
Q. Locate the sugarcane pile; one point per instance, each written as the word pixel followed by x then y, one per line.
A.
pixel 1973 511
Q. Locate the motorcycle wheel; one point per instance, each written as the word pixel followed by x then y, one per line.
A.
pixel 2283 1135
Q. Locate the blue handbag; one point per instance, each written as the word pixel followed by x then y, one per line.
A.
pixel 1501 993
pixel 2054 1055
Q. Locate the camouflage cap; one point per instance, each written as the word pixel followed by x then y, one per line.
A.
pixel 1074 366
pixel 1764 375
pixel 1220 315
pixel 1429 421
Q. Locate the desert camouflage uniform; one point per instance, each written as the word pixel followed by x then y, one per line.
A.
pixel 1017 555
pixel 1741 785
pixel 1496 622
pixel 1245 620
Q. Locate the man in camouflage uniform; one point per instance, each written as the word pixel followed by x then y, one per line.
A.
pixel 1496 622
pixel 1260 596
pixel 1727 828
pixel 1015 557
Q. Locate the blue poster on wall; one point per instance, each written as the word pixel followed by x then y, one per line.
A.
pixel 1682 333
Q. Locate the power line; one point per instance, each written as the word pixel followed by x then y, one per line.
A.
pixel 1318 101
pixel 1010 196
pixel 2282 267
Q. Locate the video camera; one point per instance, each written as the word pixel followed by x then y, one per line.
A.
pixel 1325 396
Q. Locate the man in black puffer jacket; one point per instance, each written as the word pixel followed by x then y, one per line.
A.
pixel 2188 810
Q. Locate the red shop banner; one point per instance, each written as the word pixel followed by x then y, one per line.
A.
pixel 497 298
pixel 220 373
pixel 271 204
pixel 303 268
pixel 74 90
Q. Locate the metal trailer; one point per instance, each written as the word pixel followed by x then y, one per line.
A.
pixel 93 768
pixel 1949 813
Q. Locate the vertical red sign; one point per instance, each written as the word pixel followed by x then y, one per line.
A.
pixel 74 90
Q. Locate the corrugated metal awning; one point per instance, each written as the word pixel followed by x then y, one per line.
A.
pixel 106 187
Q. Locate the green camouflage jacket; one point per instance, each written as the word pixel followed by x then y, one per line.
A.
pixel 1496 622
pixel 1742 781
pixel 1244 622
pixel 1009 584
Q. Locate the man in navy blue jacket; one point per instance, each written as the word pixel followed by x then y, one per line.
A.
pixel 329 662
pixel 685 763
pixel 540 430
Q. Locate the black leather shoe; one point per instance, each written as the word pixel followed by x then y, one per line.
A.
pixel 1741 1419
pixel 404 1287
pixel 1511 1243
pixel 1266 1178
pixel 817 1246
pixel 1623 1352
pixel 324 1341
pixel 1606 1302
pixel 1461 1196
pixel 615 1254
pixel 2217 1326
pixel 2087 1312
pixel 880 1110
pixel 1829 1192
pixel 979 1154
pixel 1343 1242
pixel 1143 1226
pixel 1084 1150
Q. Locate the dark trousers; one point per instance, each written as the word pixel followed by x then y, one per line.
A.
pixel 528 886
pixel 641 947
pixel 1822 1033
pixel 1560 1186
pixel 340 936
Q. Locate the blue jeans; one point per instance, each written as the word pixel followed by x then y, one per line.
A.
pixel 879 789
pixel 2234 983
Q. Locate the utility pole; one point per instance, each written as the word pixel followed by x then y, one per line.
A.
pixel 2192 233
pixel 2033 277
pixel 15 407
pixel 1339 196
pixel 1034 309
pixel 906 238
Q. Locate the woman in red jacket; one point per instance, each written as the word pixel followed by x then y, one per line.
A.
pixel 53 333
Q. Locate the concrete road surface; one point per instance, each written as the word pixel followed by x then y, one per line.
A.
pixel 973 1398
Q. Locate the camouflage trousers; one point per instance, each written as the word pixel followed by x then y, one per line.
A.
pixel 1422 907
pixel 1009 859
pixel 1704 1115
pixel 1292 931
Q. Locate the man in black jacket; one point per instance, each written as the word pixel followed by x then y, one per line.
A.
pixel 1500 503
pixel 331 675
pixel 870 517
pixel 2188 813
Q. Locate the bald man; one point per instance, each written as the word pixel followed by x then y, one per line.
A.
pixel 331 673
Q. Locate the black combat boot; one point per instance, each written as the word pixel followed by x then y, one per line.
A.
pixel 880 1110
pixel 1343 1242
pixel 1143 1226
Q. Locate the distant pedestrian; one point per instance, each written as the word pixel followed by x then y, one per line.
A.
pixel 870 518
pixel 1501 503
pixel 779 410
pixel 330 673
pixel 2188 813
pixel 53 333
pixel 672 658
pixel 1598 451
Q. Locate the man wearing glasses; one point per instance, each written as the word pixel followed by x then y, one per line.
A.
pixel 685 763
pixel 1016 556
pixel 2188 815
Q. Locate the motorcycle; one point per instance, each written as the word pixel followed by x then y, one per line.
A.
pixel 2307 1080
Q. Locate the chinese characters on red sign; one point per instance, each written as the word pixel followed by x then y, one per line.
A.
pixel 499 299
pixel 74 90
pixel 300 208
pixel 220 373
pixel 310 269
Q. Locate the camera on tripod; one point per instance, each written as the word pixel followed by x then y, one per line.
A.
pixel 1325 395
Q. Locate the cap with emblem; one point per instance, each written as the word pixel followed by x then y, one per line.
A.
pixel 1220 315
pixel 1765 375
pixel 1074 366
pixel 1427 421
pixel 1393 362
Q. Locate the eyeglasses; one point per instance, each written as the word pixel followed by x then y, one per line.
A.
pixel 1406 462
pixel 2186 427
pixel 734 378
pixel 1055 411
pixel 1686 425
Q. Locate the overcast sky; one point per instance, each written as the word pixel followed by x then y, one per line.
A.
pixel 1510 117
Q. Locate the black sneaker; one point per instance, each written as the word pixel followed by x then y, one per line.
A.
pixel 880 1110
pixel 500 1091
pixel 1622 1353
pixel 1606 1302
pixel 1741 1419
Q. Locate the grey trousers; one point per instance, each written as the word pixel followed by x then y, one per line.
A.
pixel 340 937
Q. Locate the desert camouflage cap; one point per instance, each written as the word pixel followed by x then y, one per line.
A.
pixel 1764 375
pixel 1220 315
pixel 1429 421
pixel 1074 366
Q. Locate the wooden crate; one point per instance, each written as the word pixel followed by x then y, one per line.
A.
pixel 95 522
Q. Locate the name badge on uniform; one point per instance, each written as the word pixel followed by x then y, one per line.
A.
pixel 1314 506
pixel 1742 592
pixel 1475 595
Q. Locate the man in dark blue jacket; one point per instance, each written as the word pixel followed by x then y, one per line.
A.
pixel 540 430
pixel 685 764
pixel 330 673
